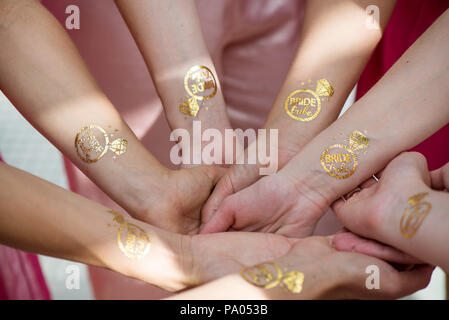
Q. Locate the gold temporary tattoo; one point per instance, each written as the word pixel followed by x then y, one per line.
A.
pixel 200 85
pixel 339 160
pixel 414 215
pixel 269 275
pixel 132 240
pixel 92 143
pixel 305 104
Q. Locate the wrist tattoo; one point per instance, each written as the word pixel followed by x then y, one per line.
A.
pixel 269 275
pixel 305 104
pixel 92 142
pixel 200 85
pixel 414 215
pixel 340 160
pixel 132 240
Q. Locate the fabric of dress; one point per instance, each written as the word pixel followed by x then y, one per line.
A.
pixel 21 276
pixel 410 19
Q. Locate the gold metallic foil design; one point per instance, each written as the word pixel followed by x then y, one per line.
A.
pixel 414 215
pixel 339 160
pixel 132 240
pixel 305 104
pixel 200 85
pixel 269 275
pixel 92 143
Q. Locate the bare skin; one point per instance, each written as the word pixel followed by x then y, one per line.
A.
pixel 376 210
pixel 292 201
pixel 56 93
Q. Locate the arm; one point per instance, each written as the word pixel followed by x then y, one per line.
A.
pixel 403 210
pixel 334 46
pixel 169 36
pixel 389 119
pixel 43 75
pixel 312 269
pixel 40 217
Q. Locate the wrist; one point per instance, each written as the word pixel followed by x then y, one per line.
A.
pixel 312 185
pixel 168 263
pixel 388 225
pixel 141 203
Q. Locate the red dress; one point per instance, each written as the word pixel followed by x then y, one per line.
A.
pixel 408 22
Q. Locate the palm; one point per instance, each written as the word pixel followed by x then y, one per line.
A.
pixel 270 205
pixel 218 254
pixel 184 193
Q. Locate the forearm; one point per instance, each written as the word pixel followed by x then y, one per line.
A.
pixel 244 285
pixel 334 46
pixel 44 76
pixel 40 217
pixel 418 224
pixel 169 36
pixel 390 118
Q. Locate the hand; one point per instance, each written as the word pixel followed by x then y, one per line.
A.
pixel 367 210
pixel 175 201
pixel 327 272
pixel 333 274
pixel 240 176
pixel 273 204
pixel 215 255
pixel 347 241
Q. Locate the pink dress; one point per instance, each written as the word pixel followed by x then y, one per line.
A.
pixel 252 43
pixel 21 277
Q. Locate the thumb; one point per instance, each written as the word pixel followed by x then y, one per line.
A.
pixel 221 220
pixel 222 189
pixel 350 211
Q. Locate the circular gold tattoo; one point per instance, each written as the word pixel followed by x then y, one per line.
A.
pixel 305 104
pixel 339 161
pixel 133 240
pixel 200 83
pixel 92 142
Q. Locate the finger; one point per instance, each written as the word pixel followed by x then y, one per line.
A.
pixel 216 173
pixel 440 178
pixel 412 280
pixel 354 243
pixel 349 210
pixel 221 221
pixel 223 189
pixel 418 162
pixel 370 182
